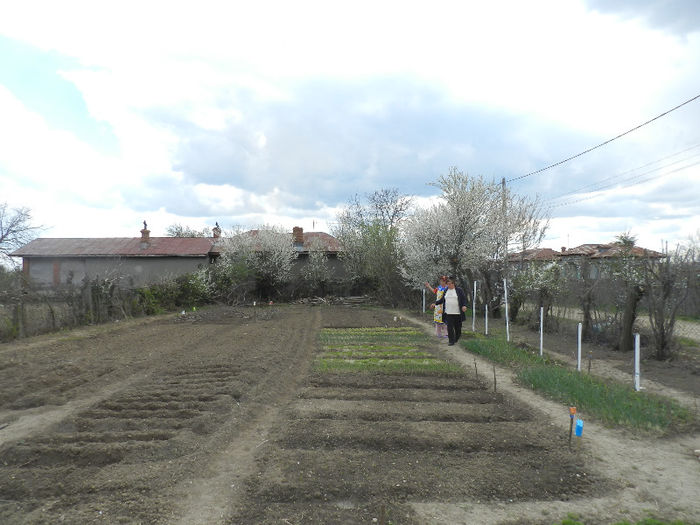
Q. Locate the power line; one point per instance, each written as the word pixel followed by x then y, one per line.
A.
pixel 618 177
pixel 647 179
pixel 606 142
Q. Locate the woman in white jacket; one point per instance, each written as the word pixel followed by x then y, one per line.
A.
pixel 454 307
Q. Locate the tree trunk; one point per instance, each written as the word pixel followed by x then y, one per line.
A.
pixel 492 296
pixel 587 307
pixel 514 308
pixel 634 295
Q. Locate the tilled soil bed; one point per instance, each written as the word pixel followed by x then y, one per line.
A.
pixel 221 416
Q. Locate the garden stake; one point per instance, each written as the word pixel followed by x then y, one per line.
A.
pixel 494 378
pixel 590 358
pixel 476 369
pixel 637 385
pixel 578 353
pixel 572 413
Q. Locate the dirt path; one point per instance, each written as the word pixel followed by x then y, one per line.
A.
pixel 661 476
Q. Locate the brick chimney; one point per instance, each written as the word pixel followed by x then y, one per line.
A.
pixel 298 234
pixel 216 231
pixel 145 236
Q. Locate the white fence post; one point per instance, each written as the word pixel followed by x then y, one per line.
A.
pixel 474 309
pixel 486 319
pixel 423 300
pixel 578 360
pixel 505 292
pixel 637 372
pixel 541 329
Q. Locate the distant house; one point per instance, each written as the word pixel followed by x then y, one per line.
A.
pixel 304 243
pixel 598 257
pixel 533 255
pixel 134 261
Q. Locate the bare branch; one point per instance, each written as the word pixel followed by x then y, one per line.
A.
pixel 16 229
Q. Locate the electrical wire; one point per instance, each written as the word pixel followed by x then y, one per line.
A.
pixel 606 142
pixel 575 201
pixel 617 176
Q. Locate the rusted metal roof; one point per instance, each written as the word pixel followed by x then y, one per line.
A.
pixel 136 247
pixel 117 246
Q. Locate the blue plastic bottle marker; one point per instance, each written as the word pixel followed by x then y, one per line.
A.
pixel 579 427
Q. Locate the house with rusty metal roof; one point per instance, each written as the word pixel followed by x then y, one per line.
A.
pixel 128 261
pixel 133 261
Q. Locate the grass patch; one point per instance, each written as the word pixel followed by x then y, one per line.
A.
pixel 362 354
pixel 390 366
pixel 400 350
pixel 608 401
pixel 371 347
pixel 402 336
pixel 687 342
pixel 502 352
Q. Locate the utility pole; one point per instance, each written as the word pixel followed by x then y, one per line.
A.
pixel 505 227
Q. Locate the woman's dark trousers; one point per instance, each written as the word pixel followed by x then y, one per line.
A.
pixel 454 327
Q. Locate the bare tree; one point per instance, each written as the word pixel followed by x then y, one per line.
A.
pixel 370 235
pixel 16 229
pixel 666 282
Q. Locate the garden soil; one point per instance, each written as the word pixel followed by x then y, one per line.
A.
pixel 219 416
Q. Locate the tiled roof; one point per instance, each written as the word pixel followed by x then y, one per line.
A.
pixel 606 251
pixel 330 242
pixel 535 254
pixel 593 251
pixel 117 246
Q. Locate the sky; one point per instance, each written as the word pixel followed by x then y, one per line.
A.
pixel 277 112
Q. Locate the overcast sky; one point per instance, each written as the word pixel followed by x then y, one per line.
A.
pixel 249 113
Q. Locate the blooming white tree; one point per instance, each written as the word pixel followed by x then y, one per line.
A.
pixel 317 272
pixel 469 231
pixel 265 253
pixel 178 230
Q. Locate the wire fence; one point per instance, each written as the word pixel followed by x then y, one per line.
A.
pixel 600 306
